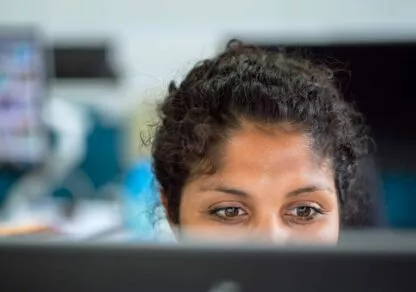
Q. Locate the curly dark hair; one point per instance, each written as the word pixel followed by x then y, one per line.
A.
pixel 246 82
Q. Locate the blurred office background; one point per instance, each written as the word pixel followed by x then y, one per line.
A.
pixel 81 79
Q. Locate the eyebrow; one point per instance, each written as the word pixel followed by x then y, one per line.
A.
pixel 232 191
pixel 297 192
pixel 308 189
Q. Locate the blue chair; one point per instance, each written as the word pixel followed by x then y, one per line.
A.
pixel 140 199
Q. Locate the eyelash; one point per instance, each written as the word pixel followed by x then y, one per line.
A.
pixel 216 212
pixel 303 219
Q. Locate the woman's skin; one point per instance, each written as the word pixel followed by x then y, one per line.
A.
pixel 269 186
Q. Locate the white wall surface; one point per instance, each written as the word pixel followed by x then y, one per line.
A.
pixel 158 40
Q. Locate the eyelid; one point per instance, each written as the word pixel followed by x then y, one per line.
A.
pixel 219 208
pixel 216 210
pixel 225 204
pixel 315 210
pixel 312 204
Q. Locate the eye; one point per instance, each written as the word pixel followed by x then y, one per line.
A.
pixel 305 213
pixel 228 213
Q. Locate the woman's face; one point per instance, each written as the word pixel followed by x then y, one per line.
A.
pixel 269 187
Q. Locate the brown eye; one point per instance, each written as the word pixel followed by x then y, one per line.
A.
pixel 229 213
pixel 304 211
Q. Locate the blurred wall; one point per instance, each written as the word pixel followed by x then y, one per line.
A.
pixel 157 40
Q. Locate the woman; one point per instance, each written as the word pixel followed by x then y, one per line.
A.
pixel 260 145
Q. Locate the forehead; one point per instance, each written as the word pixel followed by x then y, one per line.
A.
pixel 254 153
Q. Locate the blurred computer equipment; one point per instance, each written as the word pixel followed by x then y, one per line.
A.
pixel 89 61
pixel 46 139
pixel 372 265
pixel 23 70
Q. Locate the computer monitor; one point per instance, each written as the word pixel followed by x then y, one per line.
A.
pixel 22 92
pixel 367 266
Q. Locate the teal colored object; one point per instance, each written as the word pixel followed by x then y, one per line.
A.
pixel 102 161
pixel 140 201
pixel 7 179
pixel 400 199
